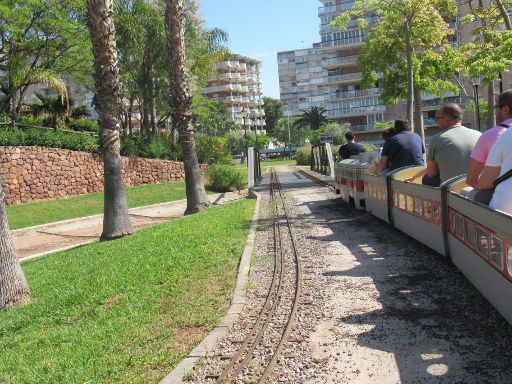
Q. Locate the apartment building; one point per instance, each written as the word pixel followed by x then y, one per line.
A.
pixel 328 75
pixel 300 74
pixel 237 85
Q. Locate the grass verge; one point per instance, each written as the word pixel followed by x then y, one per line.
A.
pixel 127 310
pixel 42 212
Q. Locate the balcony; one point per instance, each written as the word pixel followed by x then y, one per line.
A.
pixel 439 101
pixel 351 41
pixel 335 8
pixel 227 88
pixel 342 112
pixel 337 61
pixel 348 77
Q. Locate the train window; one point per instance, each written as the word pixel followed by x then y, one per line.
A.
pixel 427 210
pixel 401 201
pixel 469 229
pixel 418 206
pixel 409 203
pixel 482 242
pixel 375 192
pixel 436 213
pixel 459 222
pixel 395 199
pixel 509 260
pixel 497 252
pixel 382 195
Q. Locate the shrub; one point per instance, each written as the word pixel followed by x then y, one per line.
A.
pixel 84 125
pixel 5 118
pixel 224 178
pixel 303 155
pixel 29 120
pixel 155 149
pixel 212 150
pixel 48 138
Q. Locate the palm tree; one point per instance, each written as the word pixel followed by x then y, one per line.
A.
pixel 312 117
pixel 53 107
pixel 181 105
pixel 13 285
pixel 116 221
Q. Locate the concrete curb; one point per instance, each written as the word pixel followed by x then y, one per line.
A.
pixel 210 342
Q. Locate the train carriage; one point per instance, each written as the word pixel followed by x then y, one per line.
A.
pixel 349 177
pixel 376 194
pixel 480 246
pixel 416 209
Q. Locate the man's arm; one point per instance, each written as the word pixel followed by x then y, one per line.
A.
pixel 475 168
pixel 383 164
pixel 417 175
pixel 432 168
pixel 487 177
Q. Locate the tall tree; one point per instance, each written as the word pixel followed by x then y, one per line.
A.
pixel 116 221
pixel 13 285
pixel 313 118
pixel 273 112
pixel 181 105
pixel 409 33
pixel 40 41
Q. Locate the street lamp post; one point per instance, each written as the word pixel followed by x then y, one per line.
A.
pixel 245 134
pixel 476 83
pixel 289 136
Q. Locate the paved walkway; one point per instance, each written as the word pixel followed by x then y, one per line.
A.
pixel 40 240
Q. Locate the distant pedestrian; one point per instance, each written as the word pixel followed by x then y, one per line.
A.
pixel 350 149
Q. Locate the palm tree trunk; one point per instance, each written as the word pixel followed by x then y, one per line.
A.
pixel 116 221
pixel 13 285
pixel 181 105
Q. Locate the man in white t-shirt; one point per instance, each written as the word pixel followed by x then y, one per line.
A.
pixel 499 161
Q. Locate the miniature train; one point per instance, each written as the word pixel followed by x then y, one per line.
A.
pixel 476 238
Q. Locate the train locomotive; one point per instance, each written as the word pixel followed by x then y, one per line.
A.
pixel 476 238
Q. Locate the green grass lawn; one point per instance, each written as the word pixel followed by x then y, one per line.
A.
pixel 127 310
pixel 42 212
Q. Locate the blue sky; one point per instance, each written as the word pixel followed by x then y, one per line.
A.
pixel 261 28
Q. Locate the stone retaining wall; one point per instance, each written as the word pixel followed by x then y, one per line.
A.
pixel 38 173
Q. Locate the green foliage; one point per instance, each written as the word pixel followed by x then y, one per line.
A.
pixel 313 118
pixel 30 120
pixel 273 112
pixel 211 117
pixel 337 131
pixel 224 178
pixel 48 138
pixel 5 118
pixel 154 147
pixel 212 150
pixel 383 124
pixel 83 125
pixel 303 155
pixel 42 40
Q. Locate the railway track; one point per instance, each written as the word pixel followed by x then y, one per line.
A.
pixel 316 180
pixel 258 354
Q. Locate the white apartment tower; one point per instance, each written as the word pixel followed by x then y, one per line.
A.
pixel 237 85
pixel 328 76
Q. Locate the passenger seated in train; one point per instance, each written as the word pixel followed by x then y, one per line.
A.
pixel 350 149
pixel 498 169
pixel 483 147
pixel 401 149
pixel 449 151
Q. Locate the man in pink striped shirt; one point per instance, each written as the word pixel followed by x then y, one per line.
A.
pixel 486 141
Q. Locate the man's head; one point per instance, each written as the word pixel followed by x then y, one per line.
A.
pixel 503 107
pixel 349 136
pixel 448 115
pixel 402 125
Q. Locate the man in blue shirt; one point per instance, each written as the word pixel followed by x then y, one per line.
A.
pixel 351 148
pixel 403 149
